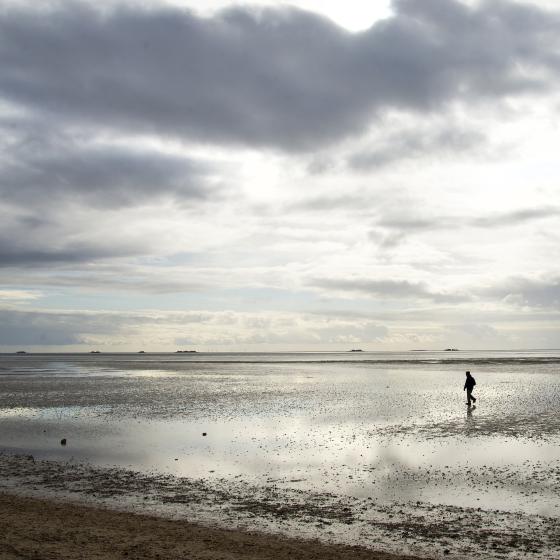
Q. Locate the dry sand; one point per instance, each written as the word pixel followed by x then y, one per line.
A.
pixel 41 529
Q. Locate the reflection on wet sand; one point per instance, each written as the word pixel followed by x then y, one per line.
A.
pixel 470 425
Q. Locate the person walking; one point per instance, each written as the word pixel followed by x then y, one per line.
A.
pixel 470 382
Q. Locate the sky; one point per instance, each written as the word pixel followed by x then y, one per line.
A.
pixel 274 176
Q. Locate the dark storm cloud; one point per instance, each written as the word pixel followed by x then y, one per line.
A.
pixel 273 77
pixel 394 289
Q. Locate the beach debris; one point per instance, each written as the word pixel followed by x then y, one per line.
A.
pixel 63 441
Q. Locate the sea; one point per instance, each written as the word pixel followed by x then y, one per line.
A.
pixel 386 428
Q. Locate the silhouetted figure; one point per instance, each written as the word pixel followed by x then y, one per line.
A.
pixel 469 386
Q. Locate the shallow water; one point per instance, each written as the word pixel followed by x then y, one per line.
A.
pixel 385 427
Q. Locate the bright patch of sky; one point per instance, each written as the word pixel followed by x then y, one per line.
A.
pixel 354 15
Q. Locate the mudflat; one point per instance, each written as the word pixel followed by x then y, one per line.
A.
pixel 379 452
pixel 41 529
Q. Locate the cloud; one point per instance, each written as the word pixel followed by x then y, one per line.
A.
pixel 50 243
pixel 421 222
pixel 394 227
pixel 18 295
pixel 393 289
pixel 347 333
pixel 527 292
pixel 475 331
pixel 166 329
pixel 68 199
pixel 38 328
pixel 104 176
pixel 515 217
pixel 347 201
pixel 415 143
pixel 273 77
pixel 14 254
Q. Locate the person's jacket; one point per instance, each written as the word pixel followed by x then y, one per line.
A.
pixel 470 383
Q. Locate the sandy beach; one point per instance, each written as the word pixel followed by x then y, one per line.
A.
pixel 32 528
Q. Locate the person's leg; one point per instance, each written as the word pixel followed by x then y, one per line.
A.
pixel 469 397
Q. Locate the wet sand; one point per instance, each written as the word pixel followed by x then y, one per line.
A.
pixel 33 528
pixel 417 529
pixel 379 455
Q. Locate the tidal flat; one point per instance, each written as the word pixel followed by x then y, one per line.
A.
pixel 378 450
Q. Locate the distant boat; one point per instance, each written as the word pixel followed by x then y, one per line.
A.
pixel 356 350
pixel 21 352
pixel 141 352
pixel 452 349
pixel 185 351
pixel 95 352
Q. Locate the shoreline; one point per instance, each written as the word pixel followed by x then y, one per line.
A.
pixel 37 492
pixel 45 528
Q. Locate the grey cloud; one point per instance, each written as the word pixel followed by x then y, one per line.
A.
pixel 37 328
pixel 412 223
pixel 348 333
pixel 393 228
pixel 27 240
pixel 15 253
pixel 348 201
pixel 416 223
pixel 516 217
pixel 44 172
pixel 476 331
pixel 56 193
pixel 397 289
pixel 277 77
pixel 471 314
pixel 526 292
pixel 411 144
